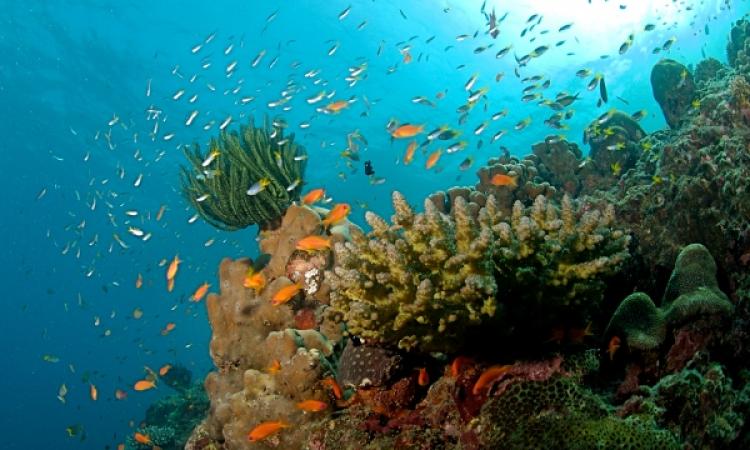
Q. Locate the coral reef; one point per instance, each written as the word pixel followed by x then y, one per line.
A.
pixel 707 70
pixel 170 420
pixel 613 138
pixel 264 364
pixel 738 47
pixel 673 88
pixel 699 404
pixel 218 184
pixel 688 185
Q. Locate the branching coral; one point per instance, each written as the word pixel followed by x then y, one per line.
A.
pixel 420 281
pixel 216 184
pixel 551 262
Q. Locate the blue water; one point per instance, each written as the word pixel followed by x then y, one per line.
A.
pixel 68 68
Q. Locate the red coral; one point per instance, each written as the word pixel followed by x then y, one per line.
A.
pixel 687 343
pixel 305 319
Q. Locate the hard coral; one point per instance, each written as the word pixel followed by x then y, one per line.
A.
pixel 692 293
pixel 673 89
pixel 559 413
pixel 419 282
pixel 551 264
pixel 244 159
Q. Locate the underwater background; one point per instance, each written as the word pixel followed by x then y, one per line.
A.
pixel 99 99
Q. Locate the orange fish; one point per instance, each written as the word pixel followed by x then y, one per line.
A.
pixel 407 57
pixel 93 393
pixel 337 106
pixel 337 214
pixel 170 285
pixel 144 385
pixel 577 335
pixel 335 388
pixel 139 281
pixel 286 293
pixel 409 155
pixel 407 131
pixel 313 243
pixel 274 367
pixel 142 438
pixel 313 196
pixel 265 429
pixel 312 405
pixel 200 292
pixel 172 269
pixel 163 370
pixel 424 378
pixel 503 180
pixel 612 347
pixel 168 328
pixel 120 394
pixel 458 364
pixel 488 377
pixel 254 280
pixel 433 159
pixel 120 446
pixel 160 213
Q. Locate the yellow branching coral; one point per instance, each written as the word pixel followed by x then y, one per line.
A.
pixel 420 281
pixel 551 262
pixel 423 280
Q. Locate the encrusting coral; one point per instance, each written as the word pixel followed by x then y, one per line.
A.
pixel 216 184
pixel 422 281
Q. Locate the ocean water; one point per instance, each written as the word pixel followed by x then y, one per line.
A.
pixel 77 82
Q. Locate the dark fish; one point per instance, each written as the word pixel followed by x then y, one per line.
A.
pixel 565 27
pixel 603 90
pixel 368 168
pixel 261 261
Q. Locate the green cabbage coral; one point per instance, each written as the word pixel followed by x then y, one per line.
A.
pixel 216 184
pixel 419 282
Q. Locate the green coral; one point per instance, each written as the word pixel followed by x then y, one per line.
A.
pixel 560 413
pixel 245 158
pixel 692 292
pixel 692 289
pixel 162 436
pixel 701 406
pixel 422 281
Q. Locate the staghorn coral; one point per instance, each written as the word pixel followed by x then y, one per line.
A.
pixel 244 158
pixel 674 90
pixel 419 282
